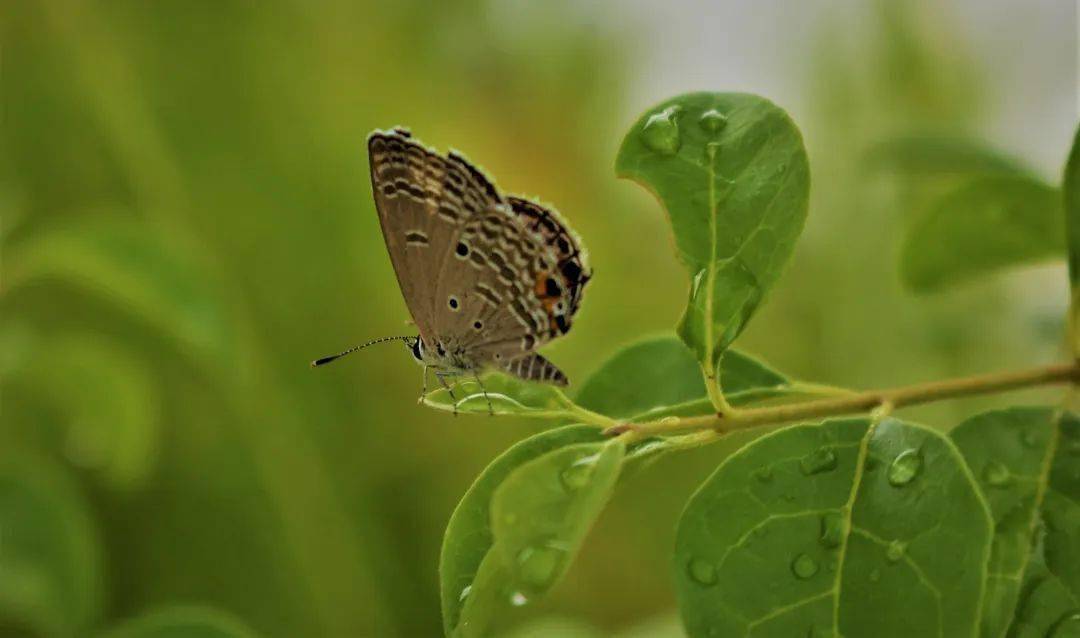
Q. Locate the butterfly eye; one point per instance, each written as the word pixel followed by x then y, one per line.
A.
pixel 453 303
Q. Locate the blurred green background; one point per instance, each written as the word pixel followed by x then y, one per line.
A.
pixel 186 221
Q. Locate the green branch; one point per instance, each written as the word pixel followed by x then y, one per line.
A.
pixel 856 402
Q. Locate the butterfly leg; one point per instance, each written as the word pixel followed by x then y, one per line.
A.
pixel 441 376
pixel 423 390
pixel 491 410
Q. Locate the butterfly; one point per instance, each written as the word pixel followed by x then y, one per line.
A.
pixel 488 278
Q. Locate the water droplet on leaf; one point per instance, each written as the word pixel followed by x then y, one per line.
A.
pixel 895 551
pixel 712 120
pixel 661 131
pixel 804 566
pixel 764 474
pixel 996 474
pixel 464 593
pixel 702 572
pixel 820 460
pixel 538 565
pixel 518 599
pixel 904 468
pixel 832 529
pixel 577 474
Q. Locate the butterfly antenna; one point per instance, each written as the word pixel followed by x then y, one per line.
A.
pixel 326 360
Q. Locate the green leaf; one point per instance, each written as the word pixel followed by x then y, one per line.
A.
pixel 988 223
pixel 106 404
pixel 940 154
pixel 1071 192
pixel 731 171
pixel 469 537
pixel 840 529
pixel 508 395
pixel 50 556
pixel 182 622
pixel 1071 197
pixel 1052 583
pixel 148 275
pixel 658 376
pixel 1009 452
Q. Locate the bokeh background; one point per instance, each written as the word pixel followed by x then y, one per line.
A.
pixel 186 221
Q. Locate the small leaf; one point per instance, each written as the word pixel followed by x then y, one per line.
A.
pixel 508 395
pixel 835 529
pixel 469 537
pixel 940 154
pixel 658 377
pixel 50 557
pixel 1008 451
pixel 144 273
pixel 181 622
pixel 732 173
pixel 1071 197
pixel 988 223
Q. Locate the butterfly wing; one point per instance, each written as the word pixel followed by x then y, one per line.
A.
pixel 423 199
pixel 519 278
pixel 487 279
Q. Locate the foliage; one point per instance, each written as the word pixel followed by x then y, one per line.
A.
pixel 856 527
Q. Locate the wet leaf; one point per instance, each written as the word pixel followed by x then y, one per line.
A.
pixel 181 622
pixel 508 395
pixel 659 376
pixel 50 556
pixel 468 552
pixel 986 224
pixel 731 171
pixel 835 529
pixel 1008 451
pixel 1051 588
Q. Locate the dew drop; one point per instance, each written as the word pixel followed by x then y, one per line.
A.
pixel 518 599
pixel 712 120
pixel 661 132
pixel 464 593
pixel 538 565
pixel 804 566
pixel 904 468
pixel 702 572
pixel 996 474
pixel 875 575
pixel 832 529
pixel 764 474
pixel 820 460
pixel 895 551
pixel 577 474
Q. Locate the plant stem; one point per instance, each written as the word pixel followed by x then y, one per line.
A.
pixel 858 402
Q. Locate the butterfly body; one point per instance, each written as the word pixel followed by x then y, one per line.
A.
pixel 487 278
